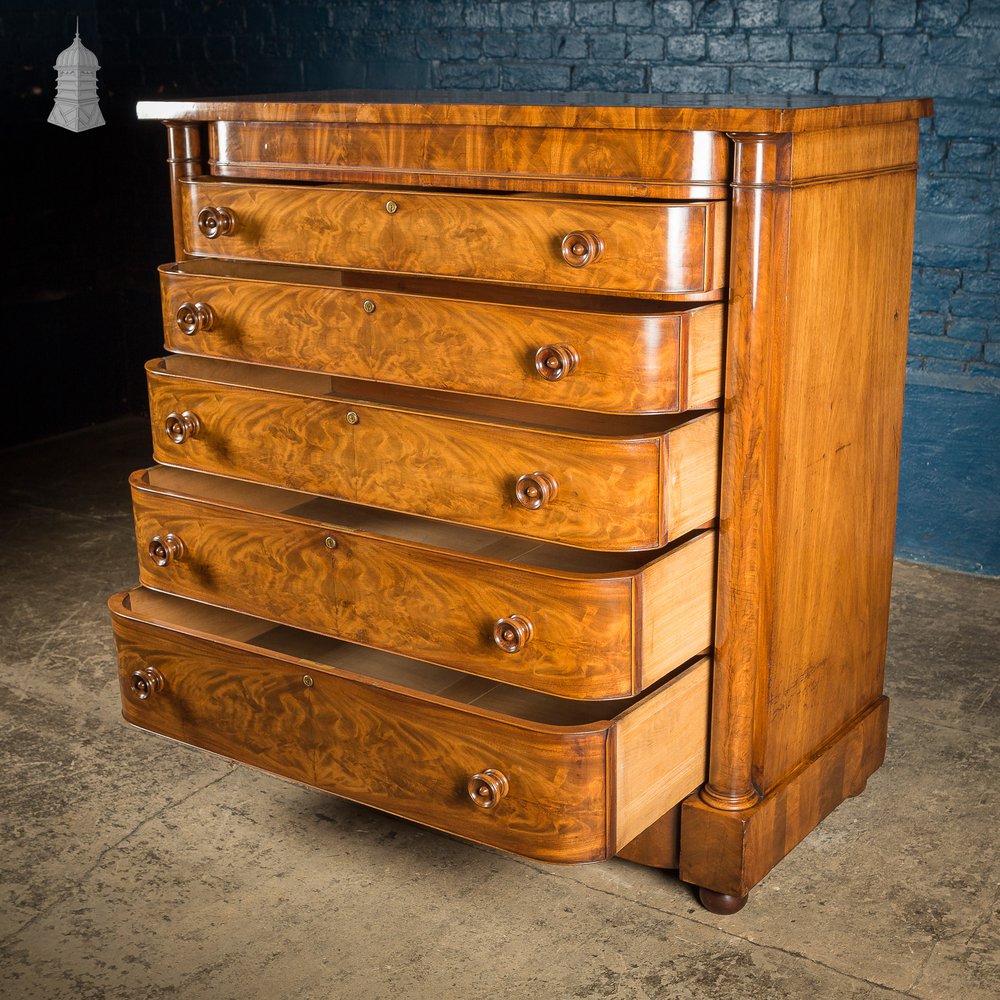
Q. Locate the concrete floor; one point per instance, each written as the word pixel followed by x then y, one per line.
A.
pixel 135 868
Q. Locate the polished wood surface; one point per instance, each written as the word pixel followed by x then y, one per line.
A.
pixel 807 511
pixel 650 357
pixel 432 109
pixel 619 491
pixel 433 594
pixel 626 162
pixel 502 327
pixel 650 775
pixel 184 160
pixel 358 728
pixel 655 248
pixel 810 462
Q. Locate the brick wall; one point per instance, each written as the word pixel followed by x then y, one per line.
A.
pixel 947 49
pixel 86 205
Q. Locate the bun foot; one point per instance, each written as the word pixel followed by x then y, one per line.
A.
pixel 720 902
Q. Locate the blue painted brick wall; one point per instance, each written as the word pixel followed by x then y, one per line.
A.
pixel 947 49
pixel 949 510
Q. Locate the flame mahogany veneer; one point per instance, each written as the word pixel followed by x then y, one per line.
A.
pixel 529 470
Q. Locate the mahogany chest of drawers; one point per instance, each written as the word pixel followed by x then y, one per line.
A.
pixel 528 470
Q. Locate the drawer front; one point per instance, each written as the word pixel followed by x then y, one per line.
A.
pixel 575 635
pixel 628 162
pixel 592 492
pixel 605 360
pixel 571 781
pixel 405 755
pixel 655 248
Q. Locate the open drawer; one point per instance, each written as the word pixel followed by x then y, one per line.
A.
pixel 539 776
pixel 590 352
pixel 565 621
pixel 593 481
pixel 657 248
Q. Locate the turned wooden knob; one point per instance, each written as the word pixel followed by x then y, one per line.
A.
pixel 511 634
pixel 581 247
pixel 535 489
pixel 164 549
pixel 145 683
pixel 555 361
pixel 181 426
pixel 488 788
pixel 194 317
pixel 215 221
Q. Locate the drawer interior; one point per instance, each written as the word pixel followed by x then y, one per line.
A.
pixel 529 298
pixel 479 409
pixel 409 676
pixel 252 497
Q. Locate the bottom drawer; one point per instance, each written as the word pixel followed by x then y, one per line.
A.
pixel 551 779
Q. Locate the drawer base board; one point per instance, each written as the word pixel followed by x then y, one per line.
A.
pixel 730 852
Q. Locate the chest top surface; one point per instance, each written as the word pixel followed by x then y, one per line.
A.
pixel 727 112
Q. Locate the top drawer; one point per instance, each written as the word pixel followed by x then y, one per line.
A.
pixel 630 162
pixel 667 250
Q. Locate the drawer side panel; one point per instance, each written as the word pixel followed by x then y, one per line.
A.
pixel 661 751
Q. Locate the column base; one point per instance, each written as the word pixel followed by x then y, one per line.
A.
pixel 727 853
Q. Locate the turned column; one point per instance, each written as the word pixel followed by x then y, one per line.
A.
pixel 758 273
pixel 184 159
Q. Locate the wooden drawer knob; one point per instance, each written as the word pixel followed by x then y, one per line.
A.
pixel 145 683
pixel 164 549
pixel 511 634
pixel 194 317
pixel 581 248
pixel 488 788
pixel 181 426
pixel 215 221
pixel 535 489
pixel 555 361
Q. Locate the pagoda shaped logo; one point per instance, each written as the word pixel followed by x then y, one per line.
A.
pixel 76 106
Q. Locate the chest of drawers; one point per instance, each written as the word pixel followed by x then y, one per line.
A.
pixel 529 470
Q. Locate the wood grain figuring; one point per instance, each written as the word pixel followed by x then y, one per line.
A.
pixel 440 362
pixel 838 462
pixel 809 470
pixel 574 110
pixel 730 852
pixel 610 494
pixel 650 773
pixel 656 248
pixel 691 473
pixel 396 751
pixel 625 162
pixel 657 360
pixel 429 602
pixel 371 739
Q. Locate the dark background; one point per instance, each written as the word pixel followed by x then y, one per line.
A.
pixel 87 215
